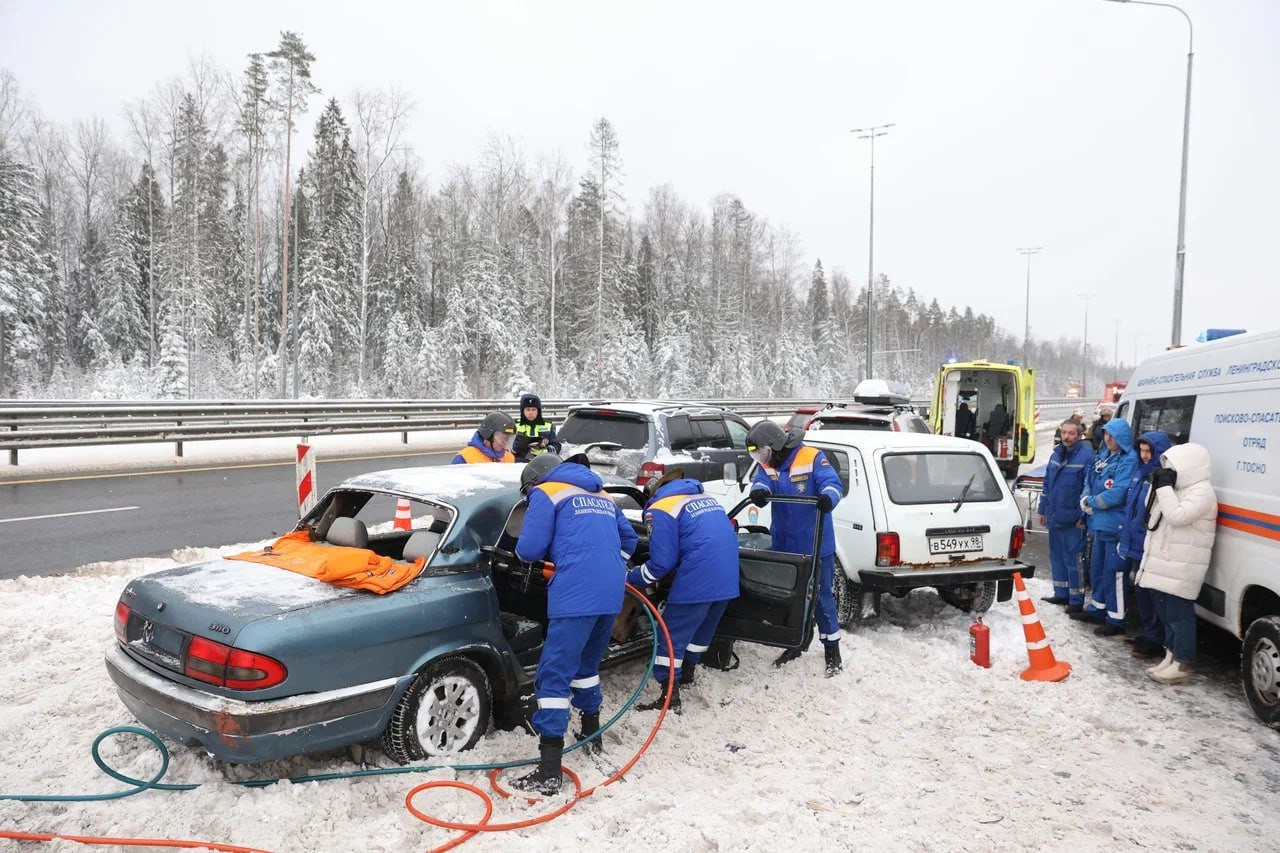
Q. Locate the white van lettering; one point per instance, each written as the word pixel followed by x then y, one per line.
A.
pixel 1251 467
pixel 1254 441
pixel 1254 367
pixel 1247 418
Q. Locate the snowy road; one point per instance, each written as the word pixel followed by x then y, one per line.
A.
pixel 912 748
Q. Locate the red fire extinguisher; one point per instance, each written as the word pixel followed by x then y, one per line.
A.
pixel 980 643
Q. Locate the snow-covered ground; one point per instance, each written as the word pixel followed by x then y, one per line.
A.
pixel 911 748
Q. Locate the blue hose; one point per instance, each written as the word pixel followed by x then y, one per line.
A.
pixel 154 782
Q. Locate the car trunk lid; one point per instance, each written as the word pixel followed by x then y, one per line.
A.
pixel 214 600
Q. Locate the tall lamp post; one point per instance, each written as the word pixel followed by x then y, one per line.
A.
pixel 1026 333
pixel 871 133
pixel 1084 369
pixel 1180 257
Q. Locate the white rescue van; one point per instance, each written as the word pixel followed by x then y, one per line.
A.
pixel 1225 395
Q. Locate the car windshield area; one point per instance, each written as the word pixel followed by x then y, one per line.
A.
pixel 936 477
pixel 629 433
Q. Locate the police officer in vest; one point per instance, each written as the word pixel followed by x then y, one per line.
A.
pixel 785 466
pixel 535 434
pixel 491 443
pixel 690 537
pixel 572 522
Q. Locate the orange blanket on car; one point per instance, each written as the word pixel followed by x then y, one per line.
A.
pixel 354 568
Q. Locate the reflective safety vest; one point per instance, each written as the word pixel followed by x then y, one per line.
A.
pixel 535 432
pixel 472 455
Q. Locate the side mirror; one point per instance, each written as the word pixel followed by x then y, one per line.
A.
pixel 730 471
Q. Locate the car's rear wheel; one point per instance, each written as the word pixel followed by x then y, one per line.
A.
pixel 1260 668
pixel 444 711
pixel 970 597
pixel 849 596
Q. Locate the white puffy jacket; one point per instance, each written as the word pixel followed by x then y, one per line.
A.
pixel 1182 526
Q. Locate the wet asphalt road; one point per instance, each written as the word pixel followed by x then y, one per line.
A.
pixel 56 525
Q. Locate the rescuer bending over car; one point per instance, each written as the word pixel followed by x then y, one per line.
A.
pixel 689 534
pixel 574 523
pixel 788 467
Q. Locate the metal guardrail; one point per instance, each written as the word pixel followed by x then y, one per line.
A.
pixel 31 424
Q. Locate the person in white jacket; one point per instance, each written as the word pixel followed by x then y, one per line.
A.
pixel 1181 525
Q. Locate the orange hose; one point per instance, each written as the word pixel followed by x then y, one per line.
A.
pixel 470 830
pixel 129 842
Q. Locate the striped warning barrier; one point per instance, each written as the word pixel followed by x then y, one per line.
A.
pixel 305 470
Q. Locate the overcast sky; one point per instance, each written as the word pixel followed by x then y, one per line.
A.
pixel 1053 123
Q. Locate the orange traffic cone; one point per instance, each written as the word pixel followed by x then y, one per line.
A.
pixel 404 519
pixel 1044 667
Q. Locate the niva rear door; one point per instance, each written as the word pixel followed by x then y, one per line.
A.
pixel 945 506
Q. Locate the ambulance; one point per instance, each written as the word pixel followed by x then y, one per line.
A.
pixel 1002 399
pixel 1225 395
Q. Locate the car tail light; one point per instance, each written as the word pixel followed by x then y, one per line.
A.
pixel 650 471
pixel 235 669
pixel 1016 538
pixel 897 427
pixel 250 671
pixel 122 622
pixel 888 550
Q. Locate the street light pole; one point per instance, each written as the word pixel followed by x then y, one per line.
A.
pixel 1084 369
pixel 871 133
pixel 1180 257
pixel 1026 333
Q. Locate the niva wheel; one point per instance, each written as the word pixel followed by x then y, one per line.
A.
pixel 848 594
pixel 1260 668
pixel 444 711
pixel 970 597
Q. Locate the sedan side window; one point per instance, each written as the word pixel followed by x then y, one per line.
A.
pixel 840 461
pixel 711 432
pixel 737 433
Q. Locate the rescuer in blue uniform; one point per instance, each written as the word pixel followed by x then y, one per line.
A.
pixel 691 537
pixel 1133 539
pixel 1106 488
pixel 787 467
pixel 575 524
pixel 1061 515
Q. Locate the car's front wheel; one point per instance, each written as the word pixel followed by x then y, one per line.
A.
pixel 444 711
pixel 970 597
pixel 1260 668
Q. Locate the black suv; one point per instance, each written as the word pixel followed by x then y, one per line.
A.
pixel 640 440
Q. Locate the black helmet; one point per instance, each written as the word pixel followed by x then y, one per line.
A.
pixel 536 470
pixel 527 400
pixel 767 434
pixel 496 422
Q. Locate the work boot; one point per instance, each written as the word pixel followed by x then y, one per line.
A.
pixel 656 704
pixel 1053 599
pixel 1074 608
pixel 545 778
pixel 686 674
pixel 590 725
pixel 786 657
pixel 832 652
pixel 1087 616
pixel 1144 648
pixel 1108 630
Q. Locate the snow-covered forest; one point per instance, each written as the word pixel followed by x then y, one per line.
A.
pixel 147 257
